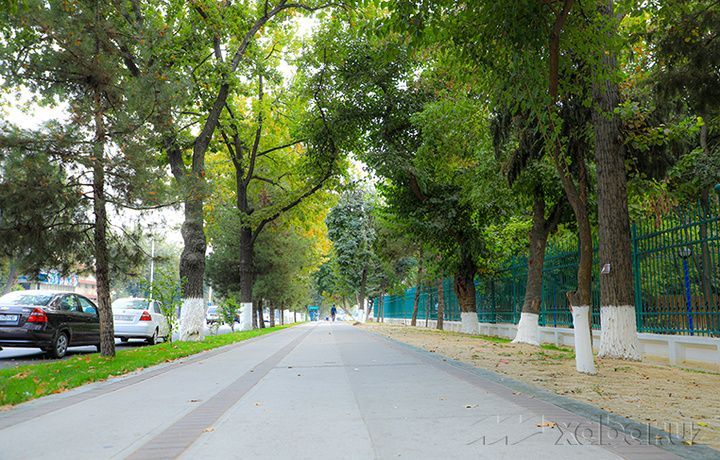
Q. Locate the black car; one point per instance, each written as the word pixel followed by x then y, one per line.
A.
pixel 50 320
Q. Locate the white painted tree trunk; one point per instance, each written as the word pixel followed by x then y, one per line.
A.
pixel 583 341
pixel 618 333
pixel 528 329
pixel 366 312
pixel 470 324
pixel 246 313
pixel 192 320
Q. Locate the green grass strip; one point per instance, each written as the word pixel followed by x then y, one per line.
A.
pixel 24 383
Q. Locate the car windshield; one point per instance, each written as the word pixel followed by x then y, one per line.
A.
pixel 212 310
pixel 26 298
pixel 131 304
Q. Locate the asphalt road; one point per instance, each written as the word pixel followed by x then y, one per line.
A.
pixel 13 357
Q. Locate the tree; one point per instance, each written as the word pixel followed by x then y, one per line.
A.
pixel 421 136
pixel 229 310
pixel 75 61
pixel 617 313
pixel 277 185
pixel 165 290
pixel 397 259
pixel 199 55
pixel 284 258
pixel 530 176
pixel 284 255
pixel 683 40
pixel 41 205
pixel 350 228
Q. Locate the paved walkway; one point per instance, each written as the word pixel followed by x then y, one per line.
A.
pixel 321 391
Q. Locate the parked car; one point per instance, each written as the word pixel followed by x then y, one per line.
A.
pixel 49 320
pixel 212 316
pixel 139 318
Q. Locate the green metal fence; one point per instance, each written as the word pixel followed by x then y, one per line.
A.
pixel 676 276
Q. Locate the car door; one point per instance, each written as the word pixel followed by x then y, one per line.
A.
pixel 70 309
pixel 157 317
pixel 91 319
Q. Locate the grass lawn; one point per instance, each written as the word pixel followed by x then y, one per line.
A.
pixel 28 382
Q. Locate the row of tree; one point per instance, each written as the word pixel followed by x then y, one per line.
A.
pixel 487 118
pixel 151 88
pixel 487 127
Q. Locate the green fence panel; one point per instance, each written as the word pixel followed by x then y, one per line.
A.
pixel 675 269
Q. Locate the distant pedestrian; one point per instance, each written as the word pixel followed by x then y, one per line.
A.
pixel 333 312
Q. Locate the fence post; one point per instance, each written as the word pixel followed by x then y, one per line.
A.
pixel 636 277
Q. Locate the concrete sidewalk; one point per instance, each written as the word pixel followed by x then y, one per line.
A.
pixel 327 391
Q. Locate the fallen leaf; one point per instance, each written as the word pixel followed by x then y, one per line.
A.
pixel 258 404
pixel 702 423
pixel 208 429
pixel 504 362
pixel 470 406
pixel 517 393
pixel 547 424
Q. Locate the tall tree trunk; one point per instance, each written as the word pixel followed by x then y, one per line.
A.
pixel 418 289
pixel 427 312
pixel 192 258
pixel 617 313
pixel 381 308
pixel 464 286
pixel 361 298
pixel 247 247
pixel 441 304
pixel 12 277
pixel 107 327
pixel 346 308
pixel 580 300
pixel 272 314
pixel 541 228
pixel 260 319
pixel 192 270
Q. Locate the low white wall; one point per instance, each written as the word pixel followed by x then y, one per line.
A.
pixel 676 350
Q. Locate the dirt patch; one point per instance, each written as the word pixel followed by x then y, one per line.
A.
pixel 665 397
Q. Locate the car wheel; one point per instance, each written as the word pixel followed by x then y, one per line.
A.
pixel 99 347
pixel 59 345
pixel 123 339
pixel 152 340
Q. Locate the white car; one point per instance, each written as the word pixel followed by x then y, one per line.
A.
pixel 212 316
pixel 139 318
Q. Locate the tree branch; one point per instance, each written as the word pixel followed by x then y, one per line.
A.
pixel 280 147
